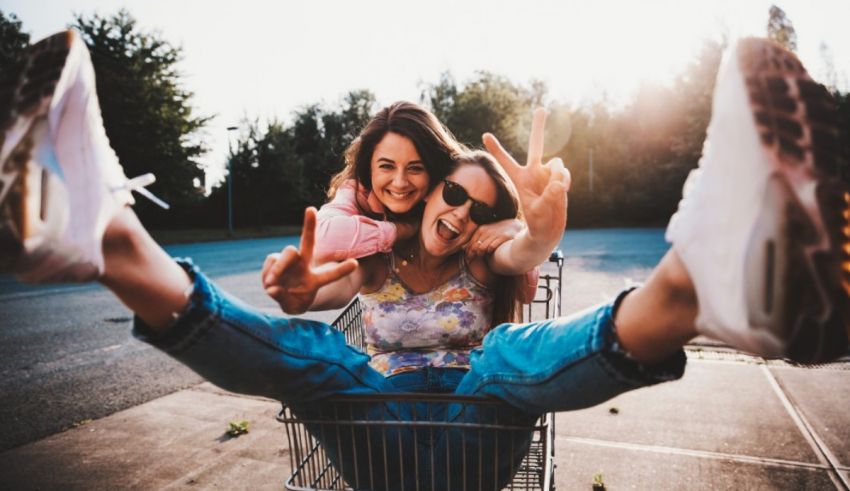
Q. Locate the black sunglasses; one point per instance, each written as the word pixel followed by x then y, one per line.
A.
pixel 455 195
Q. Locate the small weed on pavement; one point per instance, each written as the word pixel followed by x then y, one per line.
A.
pixel 236 428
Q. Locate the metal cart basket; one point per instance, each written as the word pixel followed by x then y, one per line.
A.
pixel 420 441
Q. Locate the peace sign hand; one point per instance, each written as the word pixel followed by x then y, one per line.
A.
pixel 542 188
pixel 292 280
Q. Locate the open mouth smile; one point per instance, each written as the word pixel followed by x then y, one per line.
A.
pixel 446 230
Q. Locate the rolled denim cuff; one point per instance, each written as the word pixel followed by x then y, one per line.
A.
pixel 190 325
pixel 640 374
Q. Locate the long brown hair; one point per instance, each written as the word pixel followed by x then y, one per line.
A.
pixel 434 143
pixel 506 305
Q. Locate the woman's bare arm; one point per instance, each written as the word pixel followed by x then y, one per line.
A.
pixel 542 191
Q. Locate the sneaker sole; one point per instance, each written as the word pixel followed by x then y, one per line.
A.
pixel 798 256
pixel 25 95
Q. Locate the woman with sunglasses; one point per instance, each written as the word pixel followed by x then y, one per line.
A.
pixel 401 154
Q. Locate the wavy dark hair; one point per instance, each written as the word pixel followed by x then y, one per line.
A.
pixel 434 143
pixel 506 305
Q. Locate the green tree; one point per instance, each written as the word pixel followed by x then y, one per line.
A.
pixel 440 97
pixel 267 177
pixel 780 28
pixel 279 170
pixel 340 127
pixel 488 102
pixel 13 41
pixel 260 180
pixel 322 135
pixel 147 113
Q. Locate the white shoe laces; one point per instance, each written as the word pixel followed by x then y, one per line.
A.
pixel 138 184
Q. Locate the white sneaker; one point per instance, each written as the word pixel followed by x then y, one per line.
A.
pixel 763 224
pixel 60 181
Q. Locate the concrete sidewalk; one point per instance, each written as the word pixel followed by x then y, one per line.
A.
pixel 732 422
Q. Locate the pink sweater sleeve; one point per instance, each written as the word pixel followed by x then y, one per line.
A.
pixel 342 231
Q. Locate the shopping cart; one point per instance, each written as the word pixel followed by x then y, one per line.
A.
pixel 422 441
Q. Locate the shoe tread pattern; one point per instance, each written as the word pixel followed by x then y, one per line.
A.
pixel 25 92
pixel 798 123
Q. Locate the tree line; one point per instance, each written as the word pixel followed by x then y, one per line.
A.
pixel 628 162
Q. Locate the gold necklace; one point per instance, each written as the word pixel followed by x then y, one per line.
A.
pixel 430 283
pixel 405 260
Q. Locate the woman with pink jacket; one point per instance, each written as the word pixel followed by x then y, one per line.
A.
pixel 377 199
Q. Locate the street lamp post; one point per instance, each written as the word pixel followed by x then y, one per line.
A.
pixel 230 182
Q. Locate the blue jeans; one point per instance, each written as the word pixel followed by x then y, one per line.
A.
pixel 554 365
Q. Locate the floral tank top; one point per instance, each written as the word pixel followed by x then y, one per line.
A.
pixel 406 330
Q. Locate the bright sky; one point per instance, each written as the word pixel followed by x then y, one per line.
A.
pixel 266 58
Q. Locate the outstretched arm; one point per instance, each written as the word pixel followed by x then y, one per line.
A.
pixel 298 285
pixel 543 196
pixel 344 232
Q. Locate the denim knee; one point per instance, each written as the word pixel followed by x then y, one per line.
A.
pixel 244 350
pixel 562 364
